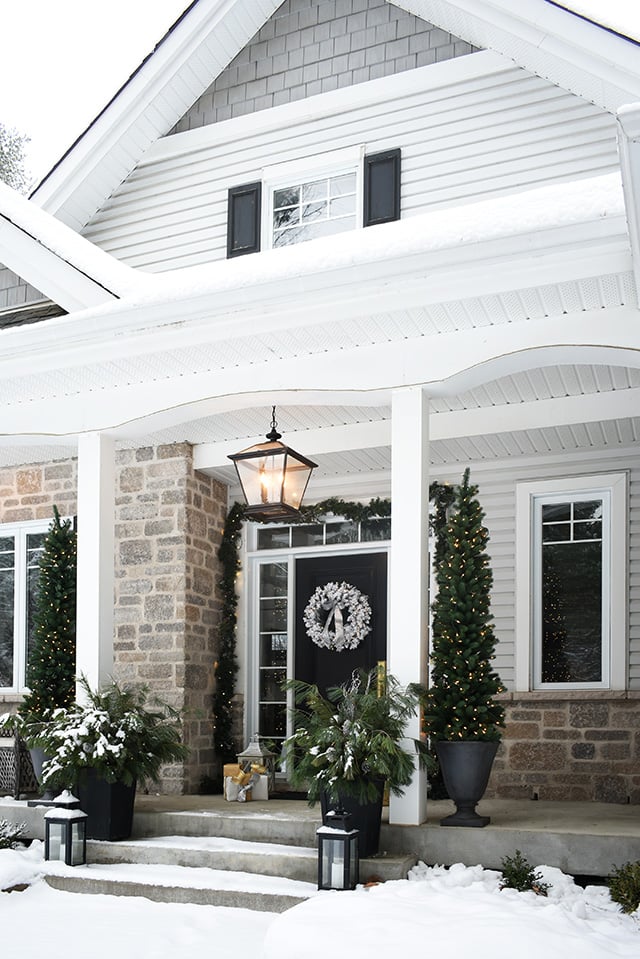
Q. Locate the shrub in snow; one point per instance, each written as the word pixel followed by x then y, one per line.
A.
pixel 519 874
pixel 624 886
pixel 10 833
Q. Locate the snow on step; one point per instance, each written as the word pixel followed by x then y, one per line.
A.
pixel 198 885
pixel 222 844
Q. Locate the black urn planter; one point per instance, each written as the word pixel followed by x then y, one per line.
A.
pixel 109 806
pixel 466 767
pixel 365 817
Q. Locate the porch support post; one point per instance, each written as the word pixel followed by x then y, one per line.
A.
pixel 96 515
pixel 409 577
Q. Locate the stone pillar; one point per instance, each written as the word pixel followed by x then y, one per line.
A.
pixel 96 499
pixel 407 645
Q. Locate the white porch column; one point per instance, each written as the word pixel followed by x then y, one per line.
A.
pixel 409 577
pixel 96 515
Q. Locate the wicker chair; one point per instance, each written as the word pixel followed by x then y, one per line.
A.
pixel 16 769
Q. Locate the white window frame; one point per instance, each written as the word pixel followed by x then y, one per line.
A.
pixel 334 163
pixel 612 489
pixel 20 531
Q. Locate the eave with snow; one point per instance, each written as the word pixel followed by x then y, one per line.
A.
pixel 499 327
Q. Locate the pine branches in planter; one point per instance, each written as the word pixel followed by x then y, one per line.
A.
pixel 350 740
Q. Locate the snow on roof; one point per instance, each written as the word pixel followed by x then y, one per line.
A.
pixel 71 248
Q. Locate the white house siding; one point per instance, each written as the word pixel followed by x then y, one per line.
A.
pixel 307 48
pixel 468 129
pixel 15 292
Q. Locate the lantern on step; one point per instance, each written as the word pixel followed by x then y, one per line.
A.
pixel 338 858
pixel 273 477
pixel 65 831
pixel 256 754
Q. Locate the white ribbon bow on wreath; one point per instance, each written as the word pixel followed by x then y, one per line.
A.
pixel 348 630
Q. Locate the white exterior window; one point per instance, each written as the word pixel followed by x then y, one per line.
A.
pixel 20 550
pixel 570 624
pixel 307 210
pixel 303 203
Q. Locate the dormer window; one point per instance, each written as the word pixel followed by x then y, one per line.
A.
pixel 301 201
pixel 319 207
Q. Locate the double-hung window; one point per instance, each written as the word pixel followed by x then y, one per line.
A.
pixel 307 199
pixel 571 583
pixel 20 549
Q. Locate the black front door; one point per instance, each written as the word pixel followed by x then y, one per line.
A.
pixel 367 573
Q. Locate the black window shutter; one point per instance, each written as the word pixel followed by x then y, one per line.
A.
pixel 381 187
pixel 243 219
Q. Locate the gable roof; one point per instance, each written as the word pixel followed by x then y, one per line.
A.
pixel 540 36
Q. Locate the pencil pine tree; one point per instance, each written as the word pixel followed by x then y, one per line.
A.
pixel 52 662
pixel 460 704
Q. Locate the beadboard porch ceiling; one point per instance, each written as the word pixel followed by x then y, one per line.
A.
pixel 576 408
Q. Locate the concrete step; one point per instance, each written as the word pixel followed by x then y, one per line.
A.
pixel 183 884
pixel 225 854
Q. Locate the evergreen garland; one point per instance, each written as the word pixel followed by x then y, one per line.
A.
pixel 460 704
pixel 226 667
pixel 52 662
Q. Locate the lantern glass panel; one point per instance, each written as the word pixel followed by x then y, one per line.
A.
pixel 262 475
pixel 57 836
pixel 333 876
pixel 78 847
pixel 295 481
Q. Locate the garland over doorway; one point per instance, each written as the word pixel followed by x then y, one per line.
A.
pixel 226 667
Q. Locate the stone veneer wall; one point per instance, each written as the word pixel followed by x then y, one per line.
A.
pixel 570 746
pixel 30 492
pixel 168 526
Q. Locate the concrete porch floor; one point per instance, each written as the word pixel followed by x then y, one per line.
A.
pixel 584 839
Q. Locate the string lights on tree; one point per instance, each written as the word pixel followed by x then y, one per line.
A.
pixel 51 669
pixel 461 702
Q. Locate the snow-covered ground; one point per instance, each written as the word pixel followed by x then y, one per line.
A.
pixel 458 912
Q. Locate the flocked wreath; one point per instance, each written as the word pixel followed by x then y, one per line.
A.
pixel 337 617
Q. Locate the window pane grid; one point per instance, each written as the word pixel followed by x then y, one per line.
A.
pixel 572 591
pixel 273 641
pixel 332 532
pixel 314 208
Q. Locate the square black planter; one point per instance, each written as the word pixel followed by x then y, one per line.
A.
pixel 109 806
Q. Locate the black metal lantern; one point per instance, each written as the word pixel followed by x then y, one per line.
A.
pixel 65 831
pixel 338 858
pixel 273 477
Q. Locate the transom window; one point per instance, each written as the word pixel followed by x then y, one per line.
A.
pixel 314 208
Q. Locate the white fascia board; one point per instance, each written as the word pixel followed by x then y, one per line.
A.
pixel 449 363
pixel 629 149
pixel 212 31
pixel 551 42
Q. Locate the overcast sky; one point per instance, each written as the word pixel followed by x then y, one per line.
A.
pixel 62 60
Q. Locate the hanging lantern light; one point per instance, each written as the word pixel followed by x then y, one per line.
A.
pixel 273 477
